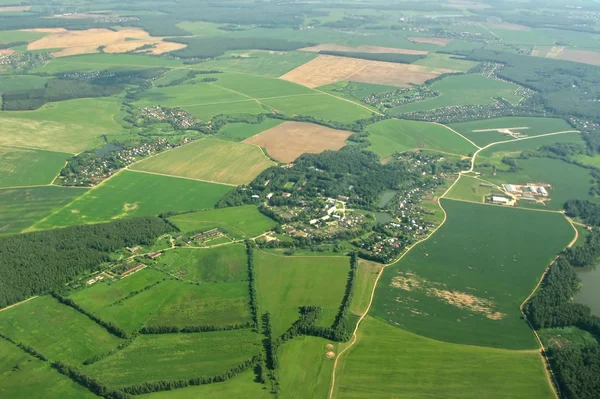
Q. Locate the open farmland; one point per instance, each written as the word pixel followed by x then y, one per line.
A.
pixel 483 282
pixel 258 86
pixel 362 49
pixel 131 194
pixel 464 90
pixel 327 69
pixel 288 141
pixel 496 152
pixel 390 362
pixel 177 303
pixel 286 283
pixel 23 376
pixel 471 189
pixel 438 41
pixel 221 264
pixel 175 356
pixel 242 131
pixel 260 62
pixel 395 135
pixel 238 222
pixel 437 60
pixel 487 131
pixel 210 160
pixel 73 42
pixel 56 330
pixel 21 208
pixel 25 167
pixel 68 126
pixel 568 54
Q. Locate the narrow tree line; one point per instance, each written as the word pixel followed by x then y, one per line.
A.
pixel 32 351
pixel 110 327
pixel 88 382
pixel 194 329
pixel 101 356
pixel 136 292
pixel 252 282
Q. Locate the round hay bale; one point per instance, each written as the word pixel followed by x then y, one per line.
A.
pixel 329 347
pixel 330 355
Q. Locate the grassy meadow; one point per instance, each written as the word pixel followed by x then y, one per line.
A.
pixel 390 362
pixel 25 167
pixel 130 194
pixel 214 265
pixel 395 135
pixel 210 160
pixel 470 189
pixel 463 90
pixel 493 257
pixel 284 283
pixel 496 152
pixel 448 61
pixel 176 356
pixel 258 87
pixel 21 208
pixel 536 126
pixel 67 126
pixel 238 222
pixel 23 376
pixel 242 131
pixel 56 330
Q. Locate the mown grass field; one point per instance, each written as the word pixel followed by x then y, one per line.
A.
pixel 130 194
pixel 363 286
pixel 304 370
pixel 492 259
pixel 286 283
pixel 242 131
pixel 56 330
pixel 256 86
pixel 394 135
pixel 437 60
pixel 568 181
pixel 390 362
pixel 463 90
pixel 536 126
pixel 238 222
pixel 12 36
pixel 211 160
pixel 496 152
pixel 239 386
pixel 220 264
pixel 242 107
pixel 23 376
pixel 178 303
pixel 176 356
pixel 68 126
pixel 24 167
pixel 321 106
pixel 20 208
pixel 470 189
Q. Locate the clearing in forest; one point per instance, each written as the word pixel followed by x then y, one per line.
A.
pixel 362 49
pixel 327 69
pixel 211 160
pixel 72 42
pixel 289 140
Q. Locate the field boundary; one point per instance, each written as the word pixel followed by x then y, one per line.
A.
pixel 18 303
pixel 181 177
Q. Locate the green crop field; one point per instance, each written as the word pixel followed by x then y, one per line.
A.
pixel 436 60
pixel 25 167
pixel 23 376
pixel 177 303
pixel 56 330
pixel 12 36
pixel 131 194
pixel 323 106
pixel 257 86
pixel 496 152
pixel 470 189
pixel 211 160
pixel 221 264
pixel 493 257
pixel 463 90
pixel 242 131
pixel 21 82
pixel 176 356
pixel 246 106
pixel 568 181
pixel 286 283
pixel 187 95
pixel 238 222
pixel 95 62
pixel 241 386
pixel 396 135
pixel 390 362
pixel 363 286
pixel 21 208
pixel 304 370
pixel 68 126
pixel 104 293
pixel 535 126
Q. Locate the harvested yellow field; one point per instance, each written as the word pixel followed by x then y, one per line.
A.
pixel 566 54
pixel 438 41
pixel 327 69
pixel 362 49
pixel 6 52
pixel 72 42
pixel 289 140
pixel 14 8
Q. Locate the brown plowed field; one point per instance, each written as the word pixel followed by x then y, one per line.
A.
pixel 362 49
pixel 289 140
pixel 327 69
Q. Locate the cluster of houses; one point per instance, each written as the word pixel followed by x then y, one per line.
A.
pixel 177 117
pixel 400 97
